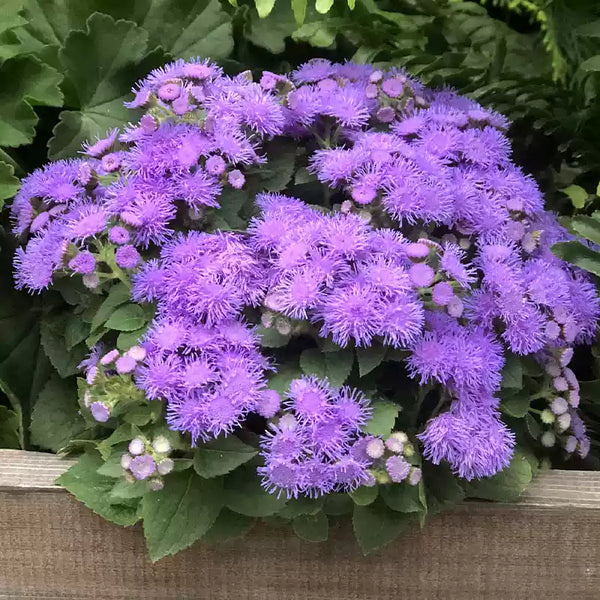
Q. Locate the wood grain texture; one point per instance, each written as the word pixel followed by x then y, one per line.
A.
pixel 546 546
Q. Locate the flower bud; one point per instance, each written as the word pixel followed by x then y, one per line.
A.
pixel 415 476
pixel 156 485
pixel 126 461
pixel 136 446
pixel 165 466
pixel 547 416
pixel 375 448
pixel 563 422
pixel 161 444
pixel 548 439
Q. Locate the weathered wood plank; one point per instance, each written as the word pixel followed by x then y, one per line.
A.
pixel 546 546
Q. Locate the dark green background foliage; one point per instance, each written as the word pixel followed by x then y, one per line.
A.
pixel 66 66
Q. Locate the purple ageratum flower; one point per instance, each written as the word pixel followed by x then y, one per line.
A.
pixel 83 262
pixel 215 165
pixel 127 257
pixel 125 364
pixel 102 145
pixel 269 404
pixel 142 467
pixel 397 468
pixel 393 87
pixel 236 179
pixel 442 293
pixel 118 235
pixel 421 275
pixel 475 443
pixel 318 453
pixel 100 411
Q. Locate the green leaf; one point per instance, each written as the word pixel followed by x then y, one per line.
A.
pixel 512 373
pixel 577 195
pixel 363 496
pixel 221 456
pixel 591 64
pixel 404 497
pixel 52 338
pixel 301 506
pixel 100 64
pixel 189 28
pixel 376 525
pixel 9 428
pixel 579 255
pixel 55 419
pixel 93 489
pixel 264 7
pixel 127 339
pixel 338 503
pixel 299 8
pixel 228 526
pixel 338 366
pixel 25 81
pixel 383 419
pixel 533 427
pixel 76 330
pixel 9 184
pixel 276 174
pixel 244 495
pixel 505 486
pixel 181 513
pixel 128 317
pixel 312 528
pixel 370 358
pixel 442 487
pixel 516 406
pixel 323 6
pixel 587 227
pixel 312 362
pixel 271 338
pixel 125 490
pixel 117 296
pixel 281 381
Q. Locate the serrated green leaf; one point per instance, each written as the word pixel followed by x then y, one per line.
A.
pixel 245 495
pixel 442 487
pixel 228 526
pixel 76 330
pixel 221 456
pixel 338 366
pixel 277 173
pixel 93 489
pixel 100 64
pixel 301 506
pixel 363 496
pixel 52 338
pixel 577 195
pixel 127 339
pixel 271 338
pixel 587 227
pixel 382 421
pixel 376 525
pixel 117 296
pixel 370 358
pixel 128 317
pixel 516 406
pixel 25 82
pixel 338 503
pixel 9 184
pixel 404 497
pixel 505 486
pixel 312 362
pixel 125 490
pixel 512 373
pixel 280 382
pixel 312 528
pixel 181 513
pixel 9 429
pixel 533 426
pixel 579 255
pixel 55 419
pixel 189 28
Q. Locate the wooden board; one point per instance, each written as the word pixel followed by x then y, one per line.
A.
pixel 547 546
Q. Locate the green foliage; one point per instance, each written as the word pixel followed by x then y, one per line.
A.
pixel 312 528
pixel 383 418
pixel 376 525
pixel 220 456
pixel 93 489
pixel 197 504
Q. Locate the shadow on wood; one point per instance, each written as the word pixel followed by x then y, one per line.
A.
pixel 547 546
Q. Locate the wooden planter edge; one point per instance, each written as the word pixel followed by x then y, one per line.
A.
pixel 546 545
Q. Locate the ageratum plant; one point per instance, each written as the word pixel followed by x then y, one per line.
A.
pixel 324 284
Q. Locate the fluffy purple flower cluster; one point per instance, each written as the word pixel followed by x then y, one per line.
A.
pixel 337 271
pixel 201 356
pixel 436 243
pixel 313 447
